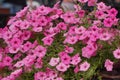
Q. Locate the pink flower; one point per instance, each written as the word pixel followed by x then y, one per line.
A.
pixel 43 21
pixel 84 66
pixel 71 40
pixel 65 59
pixel 100 14
pixel 59 78
pixel 40 51
pixel 26 35
pixel 43 10
pixel 61 67
pixel 89 51
pixel 83 1
pixel 62 26
pixel 54 61
pixel 81 13
pixel 92 2
pixel 19 64
pixel 7 35
pixel 101 6
pixel 69 49
pixel 108 65
pixel 40 76
pixel 105 36
pixel 76 70
pixel 24 25
pixel 69 17
pixel 116 53
pixel 17 73
pixel 14 49
pixel 37 28
pixel 7 61
pixel 47 41
pixel 112 12
pixel 15 42
pixel 75 59
pixel 17 56
pixel 39 63
pixel 108 22
pixel 80 30
pixel 26 46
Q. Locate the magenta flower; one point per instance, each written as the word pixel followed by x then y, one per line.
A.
pixel 108 22
pixel 112 12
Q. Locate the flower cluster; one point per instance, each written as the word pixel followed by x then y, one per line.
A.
pixel 58 45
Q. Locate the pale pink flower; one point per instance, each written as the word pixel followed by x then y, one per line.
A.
pixel 84 66
pixel 116 53
pixel 108 65
pixel 54 61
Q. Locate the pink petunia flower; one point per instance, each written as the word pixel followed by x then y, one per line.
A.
pixel 75 59
pixel 83 1
pixel 47 41
pixel 61 67
pixel 54 61
pixel 116 53
pixel 108 65
pixel 84 66
pixel 108 22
